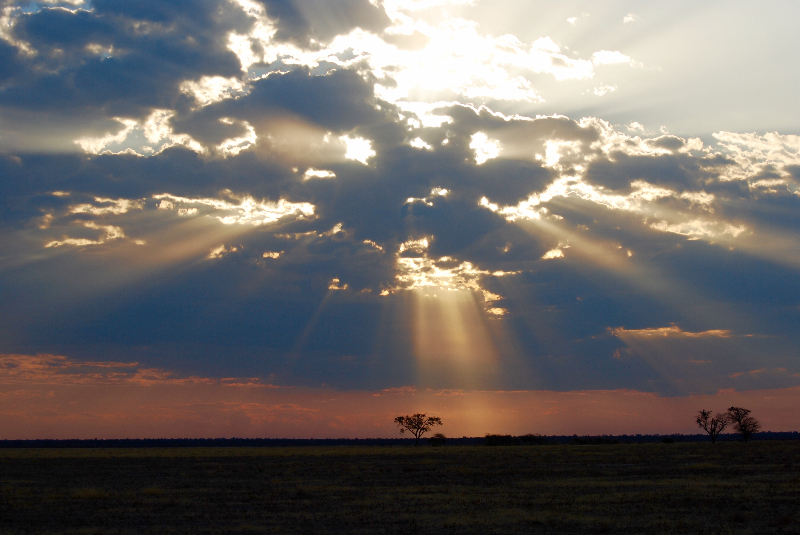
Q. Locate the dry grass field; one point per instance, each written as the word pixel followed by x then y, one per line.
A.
pixel 625 488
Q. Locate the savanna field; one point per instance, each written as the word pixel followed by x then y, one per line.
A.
pixel 693 488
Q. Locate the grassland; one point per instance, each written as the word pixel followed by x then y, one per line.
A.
pixel 625 488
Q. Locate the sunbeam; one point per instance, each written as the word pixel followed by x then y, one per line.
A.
pixel 452 345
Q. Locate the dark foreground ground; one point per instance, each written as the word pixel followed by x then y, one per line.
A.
pixel 623 488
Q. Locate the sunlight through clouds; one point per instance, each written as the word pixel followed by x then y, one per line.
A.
pixel 211 89
pixel 117 206
pixel 247 211
pixel 640 200
pixel 485 149
pixel 110 233
pixel 358 149
pixel 97 145
pixel 156 131
pixel 386 196
pixel 451 342
pixel 312 173
pixel 456 57
pixel 233 146
pixel 420 144
pixel 419 273
pixel 756 154
pixel 242 210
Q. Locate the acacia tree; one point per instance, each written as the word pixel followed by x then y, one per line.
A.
pixel 713 425
pixel 743 423
pixel 417 424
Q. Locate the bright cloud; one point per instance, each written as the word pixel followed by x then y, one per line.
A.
pixel 358 149
pixel 485 149
pixel 247 211
pixel 156 130
pixel 211 89
pixel 673 331
pixel 607 57
pixel 604 89
pixel 318 173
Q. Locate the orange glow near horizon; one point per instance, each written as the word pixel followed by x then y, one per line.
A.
pixel 81 406
pixel 50 396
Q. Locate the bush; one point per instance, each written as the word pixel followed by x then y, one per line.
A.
pixel 533 440
pixel 438 440
pixel 501 440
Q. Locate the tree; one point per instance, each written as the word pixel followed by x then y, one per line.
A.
pixel 743 423
pixel 713 425
pixel 417 424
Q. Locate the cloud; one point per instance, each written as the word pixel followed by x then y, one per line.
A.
pixel 672 331
pixel 472 245
pixel 77 69
pixel 291 116
pixel 308 23
pixel 283 189
pixel 607 57
pixel 43 370
pixel 604 89
pixel 246 211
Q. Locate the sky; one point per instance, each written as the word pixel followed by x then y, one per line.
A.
pixel 292 218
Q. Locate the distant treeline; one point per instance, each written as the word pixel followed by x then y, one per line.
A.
pixel 488 440
pixel 214 442
pixel 537 440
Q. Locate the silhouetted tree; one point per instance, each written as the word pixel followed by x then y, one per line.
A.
pixel 417 424
pixel 713 425
pixel 743 423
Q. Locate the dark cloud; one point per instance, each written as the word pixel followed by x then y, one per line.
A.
pixel 772 209
pixel 671 143
pixel 338 101
pixel 456 225
pixel 51 30
pixel 192 13
pixel 27 181
pixel 10 62
pixel 269 317
pixel 679 172
pixel 509 181
pixel 120 58
pixel 301 21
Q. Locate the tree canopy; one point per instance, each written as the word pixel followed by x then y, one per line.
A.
pixel 743 423
pixel 417 424
pixel 713 425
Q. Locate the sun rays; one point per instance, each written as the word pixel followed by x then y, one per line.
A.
pixel 453 346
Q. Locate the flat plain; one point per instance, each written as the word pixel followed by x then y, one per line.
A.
pixel 696 488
